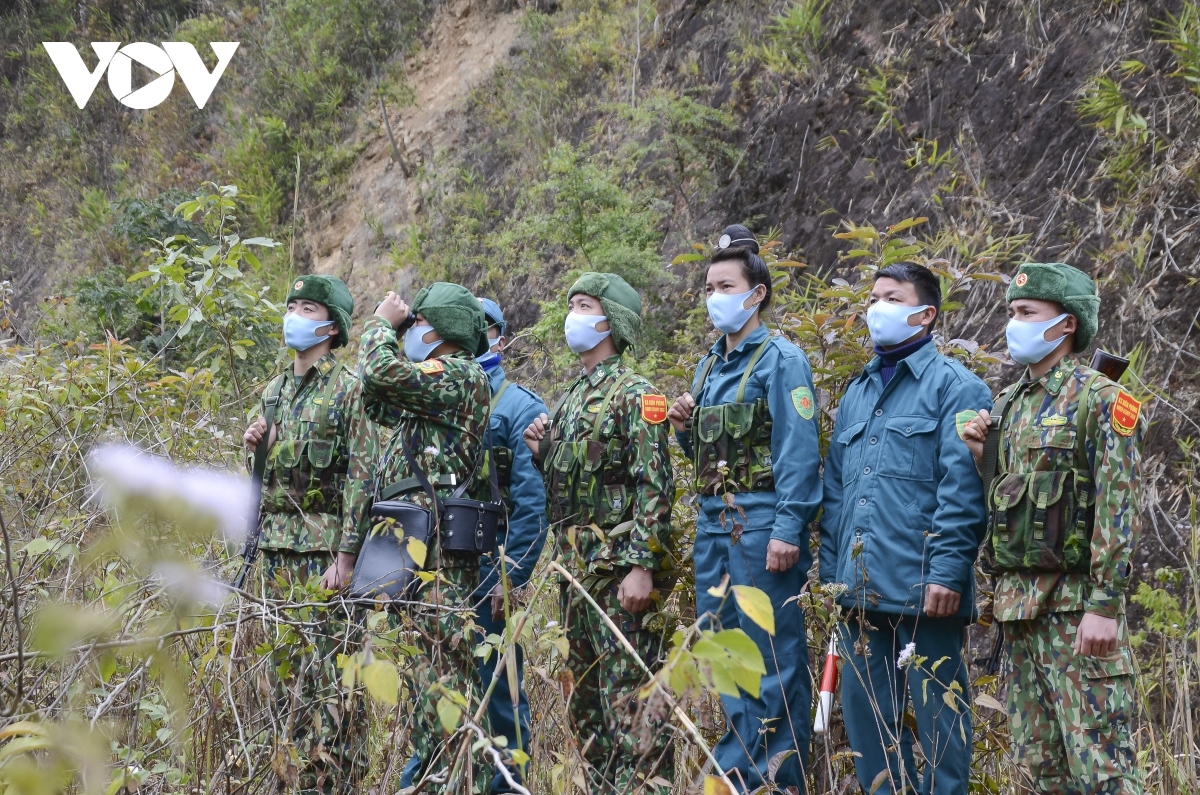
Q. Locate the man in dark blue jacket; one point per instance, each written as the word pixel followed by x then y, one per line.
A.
pixel 903 519
pixel 513 409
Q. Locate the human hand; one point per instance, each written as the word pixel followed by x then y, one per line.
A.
pixel 781 556
pixel 681 412
pixel 940 601
pixel 975 433
pixel 337 576
pixel 1096 636
pixel 536 432
pixel 634 592
pixel 392 309
pixel 254 434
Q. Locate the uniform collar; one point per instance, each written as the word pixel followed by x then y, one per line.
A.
pixel 603 370
pixel 319 369
pixel 916 362
pixel 496 378
pixel 1055 377
pixel 752 339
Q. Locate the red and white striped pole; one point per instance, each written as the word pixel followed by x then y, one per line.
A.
pixel 829 683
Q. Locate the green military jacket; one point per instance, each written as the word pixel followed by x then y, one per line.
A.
pixel 440 405
pixel 308 501
pixel 1042 433
pixel 609 483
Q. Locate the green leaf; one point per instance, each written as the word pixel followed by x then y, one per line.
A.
pixel 906 224
pixel 690 257
pixel 746 679
pixel 756 606
pixel 382 681
pixel 449 714
pixel 260 241
pixel 108 665
pixel 742 648
pixel 722 680
pixel 520 757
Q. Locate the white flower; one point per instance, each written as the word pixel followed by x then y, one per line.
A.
pixel 121 471
pixel 906 654
pixel 431 450
pixel 550 624
pixel 187 584
pixel 722 464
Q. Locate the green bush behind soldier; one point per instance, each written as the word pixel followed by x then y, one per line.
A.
pixel 1068 436
pixel 308 503
pixel 437 400
pixel 610 489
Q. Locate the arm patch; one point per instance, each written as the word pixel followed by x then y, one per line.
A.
pixel 654 408
pixel 1125 413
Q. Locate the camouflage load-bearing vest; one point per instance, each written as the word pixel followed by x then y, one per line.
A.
pixel 586 482
pixel 1042 520
pixel 734 437
pixel 304 472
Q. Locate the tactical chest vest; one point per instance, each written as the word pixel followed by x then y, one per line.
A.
pixel 586 482
pixel 502 454
pixel 731 442
pixel 1041 520
pixel 301 475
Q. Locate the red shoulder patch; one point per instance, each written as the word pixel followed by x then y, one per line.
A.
pixel 654 408
pixel 1125 413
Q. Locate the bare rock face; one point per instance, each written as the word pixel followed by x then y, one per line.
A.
pixel 466 42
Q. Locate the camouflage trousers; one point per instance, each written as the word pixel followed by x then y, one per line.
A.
pixel 624 739
pixel 1070 715
pixel 321 731
pixel 444 666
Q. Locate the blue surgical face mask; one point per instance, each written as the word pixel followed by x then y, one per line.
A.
pixel 581 331
pixel 888 323
pixel 728 312
pixel 300 333
pixel 490 359
pixel 417 349
pixel 1027 341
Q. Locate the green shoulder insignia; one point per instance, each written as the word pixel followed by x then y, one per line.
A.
pixel 962 418
pixel 802 399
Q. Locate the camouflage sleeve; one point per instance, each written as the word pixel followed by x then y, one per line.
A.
pixel 650 467
pixel 422 389
pixel 1114 432
pixel 363 448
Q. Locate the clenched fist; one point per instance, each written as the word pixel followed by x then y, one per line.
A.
pixel 536 431
pixel 254 434
pixel 392 309
pixel 681 412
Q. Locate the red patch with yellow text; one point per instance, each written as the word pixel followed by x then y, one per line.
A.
pixel 1125 413
pixel 654 408
pixel 431 367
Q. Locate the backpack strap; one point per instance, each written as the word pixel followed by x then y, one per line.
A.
pixel 762 348
pixel 1081 417
pixel 270 402
pixel 500 392
pixel 612 392
pixel 992 459
pixel 544 444
pixel 702 373
pixel 327 397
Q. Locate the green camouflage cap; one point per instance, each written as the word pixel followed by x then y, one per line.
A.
pixel 455 314
pixel 332 293
pixel 620 302
pixel 1070 287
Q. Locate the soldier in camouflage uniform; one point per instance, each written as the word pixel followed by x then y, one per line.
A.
pixel 610 489
pixel 436 399
pixel 308 502
pixel 1064 517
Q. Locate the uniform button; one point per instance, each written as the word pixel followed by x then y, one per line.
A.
pixel 908 429
pixel 873 440
pixel 862 501
pixel 878 412
pixel 867 471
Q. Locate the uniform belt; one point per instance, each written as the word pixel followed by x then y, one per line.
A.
pixel 409 484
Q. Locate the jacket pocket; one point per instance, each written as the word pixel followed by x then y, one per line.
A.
pixel 320 453
pixel 852 452
pixel 909 449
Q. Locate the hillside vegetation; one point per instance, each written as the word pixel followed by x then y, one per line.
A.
pixel 509 146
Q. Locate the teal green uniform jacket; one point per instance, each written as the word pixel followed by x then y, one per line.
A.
pixel 903 501
pixel 784 377
pixel 512 414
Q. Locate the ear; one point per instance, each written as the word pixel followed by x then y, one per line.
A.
pixel 928 317
pixel 501 343
pixel 330 330
pixel 1070 324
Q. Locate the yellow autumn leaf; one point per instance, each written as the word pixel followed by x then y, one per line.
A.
pixel 417 551
pixel 756 605
pixel 715 786
pixel 382 681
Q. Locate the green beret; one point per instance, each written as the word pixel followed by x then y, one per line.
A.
pixel 455 314
pixel 619 301
pixel 332 293
pixel 1065 285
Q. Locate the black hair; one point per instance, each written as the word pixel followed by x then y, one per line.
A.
pixel 926 282
pixel 742 246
